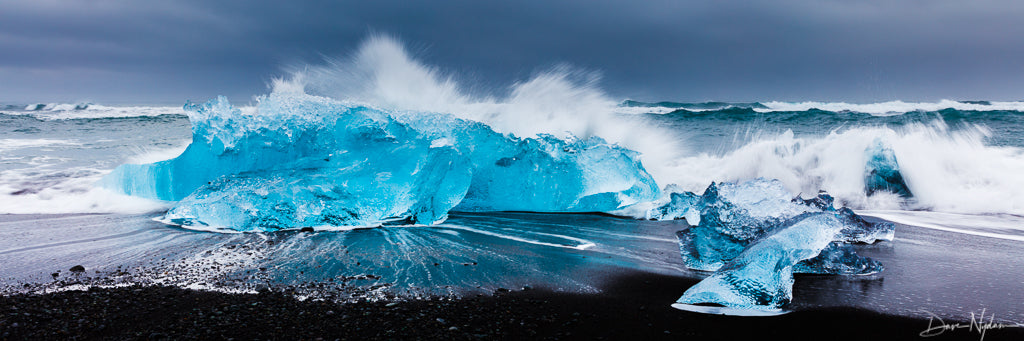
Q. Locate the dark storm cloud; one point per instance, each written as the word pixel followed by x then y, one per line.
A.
pixel 126 51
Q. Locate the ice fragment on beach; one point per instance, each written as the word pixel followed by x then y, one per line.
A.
pixel 755 235
pixel 761 276
pixel 882 172
pixel 730 217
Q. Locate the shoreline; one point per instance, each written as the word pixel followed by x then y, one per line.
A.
pixel 621 289
pixel 633 306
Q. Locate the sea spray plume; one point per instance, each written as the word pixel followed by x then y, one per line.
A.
pixel 559 101
pixel 383 74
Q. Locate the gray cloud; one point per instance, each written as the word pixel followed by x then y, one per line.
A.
pixel 129 51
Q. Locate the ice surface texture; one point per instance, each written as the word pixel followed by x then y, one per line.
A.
pixel 307 161
pixel 755 235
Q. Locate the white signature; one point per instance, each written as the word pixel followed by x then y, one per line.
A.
pixel 978 324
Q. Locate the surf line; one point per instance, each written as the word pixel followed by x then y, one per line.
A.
pixel 899 220
pixel 584 244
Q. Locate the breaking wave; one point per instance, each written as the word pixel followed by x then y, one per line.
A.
pixel 947 169
pixel 953 156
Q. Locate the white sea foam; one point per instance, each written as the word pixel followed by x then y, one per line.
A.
pixel 1002 226
pixel 48 186
pixel 576 243
pixel 12 144
pixel 74 196
pixel 947 171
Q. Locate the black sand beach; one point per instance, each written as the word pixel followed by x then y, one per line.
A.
pixel 611 291
pixel 634 308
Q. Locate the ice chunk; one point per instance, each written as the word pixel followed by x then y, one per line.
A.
pixel 755 237
pixel 822 202
pixel 761 277
pixel 298 160
pixel 838 259
pixel 882 172
pixel 680 206
pixel 731 216
pixel 857 230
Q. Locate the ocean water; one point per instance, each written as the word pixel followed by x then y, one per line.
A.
pixel 962 160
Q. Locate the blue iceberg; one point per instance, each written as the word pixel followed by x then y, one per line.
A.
pixel 304 161
pixel 755 235
pixel 882 172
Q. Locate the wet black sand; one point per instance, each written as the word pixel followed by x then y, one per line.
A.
pixel 635 307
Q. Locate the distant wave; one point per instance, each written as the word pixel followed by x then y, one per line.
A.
pixel 636 107
pixel 56 106
pixel 876 109
pixel 70 111
pixel 895 107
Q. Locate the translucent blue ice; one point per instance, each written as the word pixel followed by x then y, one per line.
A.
pixel 542 174
pixel 304 161
pixel 730 217
pixel 761 277
pixel 882 172
pixel 755 235
pixel 681 206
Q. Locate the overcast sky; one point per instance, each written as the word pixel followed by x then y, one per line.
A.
pixel 113 51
